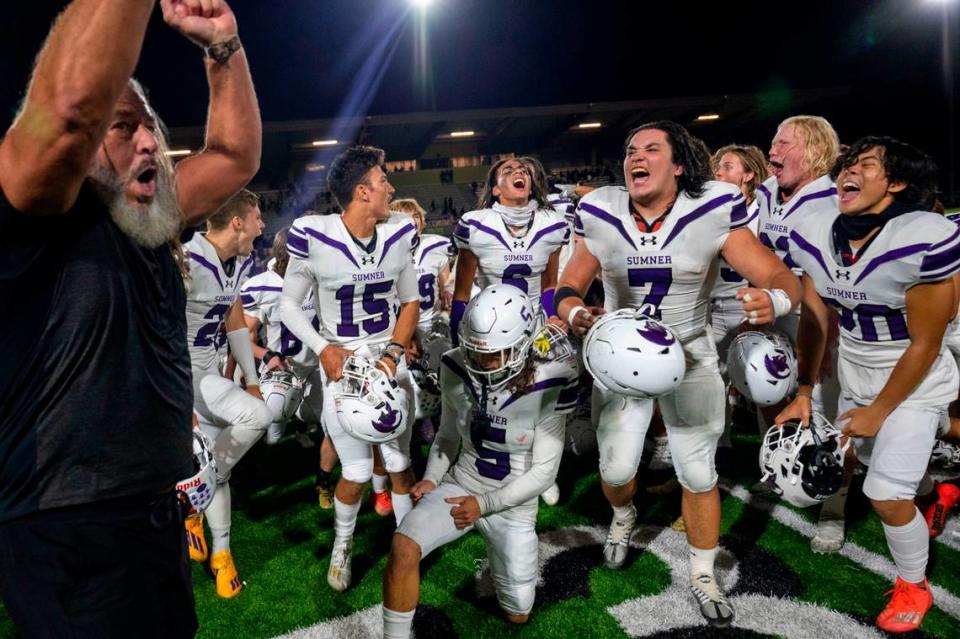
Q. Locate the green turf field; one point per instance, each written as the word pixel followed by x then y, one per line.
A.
pixel 281 542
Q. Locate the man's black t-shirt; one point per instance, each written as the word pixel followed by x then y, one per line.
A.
pixel 95 386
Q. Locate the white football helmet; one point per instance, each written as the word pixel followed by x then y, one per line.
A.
pixel 428 390
pixel 762 366
pixel 370 404
pixel 496 334
pixel 282 393
pixel 805 465
pixel 200 487
pixel 630 353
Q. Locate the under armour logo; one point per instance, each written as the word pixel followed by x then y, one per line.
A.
pixel 843 275
pixel 364 260
pixel 648 239
pixel 493 400
pixel 518 244
pixel 777 211
pixel 229 284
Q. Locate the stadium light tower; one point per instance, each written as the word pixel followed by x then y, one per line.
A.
pixel 421 4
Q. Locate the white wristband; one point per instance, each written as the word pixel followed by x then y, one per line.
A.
pixel 573 313
pixel 780 300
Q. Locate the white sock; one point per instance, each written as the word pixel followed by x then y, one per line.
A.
pixel 701 561
pixel 379 483
pixel 345 519
pixel 910 547
pixel 926 485
pixel 218 518
pixel 397 625
pixel 624 512
pixel 402 504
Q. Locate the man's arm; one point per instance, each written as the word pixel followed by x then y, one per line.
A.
pixel 580 271
pixel 231 153
pixel 764 270
pixel 81 71
pixel 811 345
pixel 929 307
pixel 462 285
pixel 238 336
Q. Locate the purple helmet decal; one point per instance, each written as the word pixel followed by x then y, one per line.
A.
pixel 777 365
pixel 388 421
pixel 656 333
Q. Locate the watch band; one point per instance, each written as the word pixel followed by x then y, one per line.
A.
pixel 221 51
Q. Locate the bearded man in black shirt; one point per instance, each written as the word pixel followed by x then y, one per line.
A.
pixel 95 389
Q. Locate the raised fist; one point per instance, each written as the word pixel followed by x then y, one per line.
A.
pixel 203 22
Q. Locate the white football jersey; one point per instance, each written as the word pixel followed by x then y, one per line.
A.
pixel 260 297
pixel 567 208
pixel 777 219
pixel 213 288
pixel 728 281
pixel 357 294
pixel 430 257
pixel 870 296
pixel 673 268
pixel 502 258
pixel 497 443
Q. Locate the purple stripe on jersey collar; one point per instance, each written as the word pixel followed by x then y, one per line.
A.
pixel 246 263
pixel 486 229
pixel 462 374
pixel 539 386
pixel 393 239
pixel 297 244
pixel 940 245
pixel 810 196
pixel 542 232
pixel 804 245
pixel 697 213
pixel 423 255
pixel 599 213
pixel 340 246
pixel 204 263
pixel 768 195
pixel 890 256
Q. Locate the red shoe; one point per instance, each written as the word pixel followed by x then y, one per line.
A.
pixel 382 503
pixel 936 514
pixel 910 602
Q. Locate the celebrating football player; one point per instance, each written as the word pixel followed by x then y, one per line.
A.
pixel 886 264
pixel 360 266
pixel 505 396
pixel 514 238
pixel 232 419
pixel 656 244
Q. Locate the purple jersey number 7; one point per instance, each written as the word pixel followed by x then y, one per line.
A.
pixel 659 280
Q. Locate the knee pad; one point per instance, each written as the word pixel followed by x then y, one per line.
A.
pixel 617 473
pixel 879 487
pixel 697 477
pixel 517 600
pixel 359 472
pixel 259 419
pixel 394 461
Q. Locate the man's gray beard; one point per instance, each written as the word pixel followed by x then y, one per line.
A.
pixel 151 226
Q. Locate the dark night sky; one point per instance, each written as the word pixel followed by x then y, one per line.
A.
pixel 306 54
